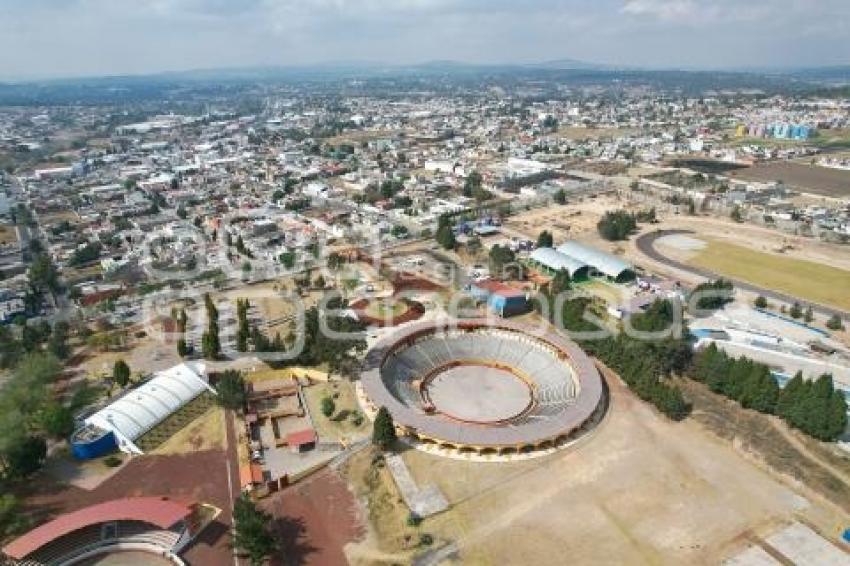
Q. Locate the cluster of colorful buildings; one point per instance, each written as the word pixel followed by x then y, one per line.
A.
pixel 779 130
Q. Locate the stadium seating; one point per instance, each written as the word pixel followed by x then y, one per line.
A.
pixel 91 537
pixel 552 379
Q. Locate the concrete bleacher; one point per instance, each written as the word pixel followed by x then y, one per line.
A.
pixel 553 383
pixel 90 538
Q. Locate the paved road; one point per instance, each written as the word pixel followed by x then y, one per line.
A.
pixel 646 245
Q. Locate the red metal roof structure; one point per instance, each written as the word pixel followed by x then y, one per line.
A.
pixel 159 511
pixel 301 437
pixel 498 288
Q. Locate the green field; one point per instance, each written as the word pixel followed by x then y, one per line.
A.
pixel 806 280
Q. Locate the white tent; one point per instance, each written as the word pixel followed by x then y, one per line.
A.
pixel 610 265
pixel 140 409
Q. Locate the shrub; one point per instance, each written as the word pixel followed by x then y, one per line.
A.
pixel 835 323
pixel 328 406
pixel 112 461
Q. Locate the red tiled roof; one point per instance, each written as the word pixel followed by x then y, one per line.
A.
pixel 250 474
pixel 301 437
pixel 498 288
pixel 163 513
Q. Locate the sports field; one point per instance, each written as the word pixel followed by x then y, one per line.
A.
pixel 804 279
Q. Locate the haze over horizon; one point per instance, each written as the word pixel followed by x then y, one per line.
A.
pixel 67 38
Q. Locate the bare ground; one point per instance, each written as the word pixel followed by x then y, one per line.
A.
pixel 639 490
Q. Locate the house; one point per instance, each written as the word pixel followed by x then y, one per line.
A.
pixel 500 298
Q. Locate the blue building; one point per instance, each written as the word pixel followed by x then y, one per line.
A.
pixel 502 300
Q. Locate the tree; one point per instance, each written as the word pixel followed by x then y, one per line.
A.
pixel 545 239
pixel 809 315
pixel 57 344
pixel 43 274
pixel 12 520
pixel 287 259
pixel 760 302
pixel 25 456
pixel 560 196
pixel 472 184
pixel 182 348
pixel 835 323
pixel 86 254
pixel 328 406
pixel 121 373
pixel 251 534
pixel 796 311
pixel 616 225
pixel 736 214
pixel 503 262
pixel 231 390
pixel 57 421
pixel 446 237
pixel 560 283
pixel 717 293
pixel 383 430
pixel 181 213
pixel 210 344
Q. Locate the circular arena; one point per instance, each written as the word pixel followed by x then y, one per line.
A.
pixel 484 388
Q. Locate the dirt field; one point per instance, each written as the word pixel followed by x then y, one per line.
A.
pixel 640 490
pixel 824 468
pixel 51 218
pixel 315 520
pixel 575 133
pixel 570 221
pixel 802 177
pixel 805 279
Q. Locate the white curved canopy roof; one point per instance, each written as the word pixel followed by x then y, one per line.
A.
pixel 557 261
pixel 140 409
pixel 610 265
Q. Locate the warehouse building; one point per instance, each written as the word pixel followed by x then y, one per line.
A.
pixel 583 261
pixel 554 261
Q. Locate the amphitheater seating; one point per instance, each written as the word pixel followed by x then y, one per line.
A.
pixel 88 538
pixel 552 380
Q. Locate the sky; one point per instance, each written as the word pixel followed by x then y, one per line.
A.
pixel 66 38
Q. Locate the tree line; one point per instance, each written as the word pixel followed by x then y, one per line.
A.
pixel 717 294
pixel 814 407
pixel 210 342
pixel 644 365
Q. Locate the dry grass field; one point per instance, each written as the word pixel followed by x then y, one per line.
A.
pixel 189 438
pixel 639 490
pixel 800 176
pixel 342 424
pixel 804 279
pixel 7 234
pixel 390 538
pixel 204 433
